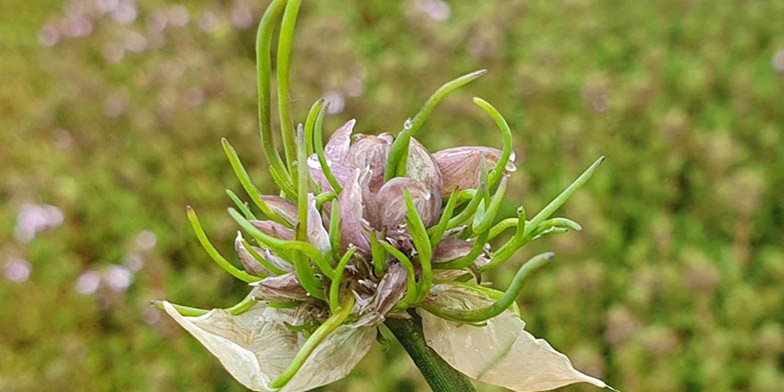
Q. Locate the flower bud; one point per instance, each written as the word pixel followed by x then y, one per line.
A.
pixel 274 229
pixel 285 287
pixel 461 166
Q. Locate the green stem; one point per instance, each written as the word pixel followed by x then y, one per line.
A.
pixel 439 375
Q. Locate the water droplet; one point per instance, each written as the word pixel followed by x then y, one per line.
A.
pixel 408 124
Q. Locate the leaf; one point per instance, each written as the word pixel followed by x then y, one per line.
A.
pixel 501 352
pixel 255 347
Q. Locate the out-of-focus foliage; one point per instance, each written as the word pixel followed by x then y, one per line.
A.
pixel 111 112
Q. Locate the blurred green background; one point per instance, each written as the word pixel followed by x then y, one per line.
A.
pixel 111 113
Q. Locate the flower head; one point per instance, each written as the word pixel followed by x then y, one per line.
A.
pixel 369 228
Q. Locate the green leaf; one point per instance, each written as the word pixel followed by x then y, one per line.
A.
pixel 283 65
pixel 421 243
pixel 506 153
pixel 214 254
pixel 399 151
pixel 263 72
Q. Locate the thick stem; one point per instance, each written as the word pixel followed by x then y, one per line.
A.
pixel 439 375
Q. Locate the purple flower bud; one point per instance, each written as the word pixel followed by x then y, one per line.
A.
pixel 252 265
pixel 285 287
pixel 391 289
pixel 461 166
pixel 341 172
pixel 351 210
pixel 421 166
pixel 392 206
pixel 335 153
pixel 451 249
pixel 338 145
pixel 317 235
pixel 370 152
pixel 285 208
pixel 274 229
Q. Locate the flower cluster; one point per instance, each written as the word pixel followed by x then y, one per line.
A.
pixel 367 229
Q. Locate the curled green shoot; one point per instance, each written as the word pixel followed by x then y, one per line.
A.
pixel 240 308
pixel 324 197
pixel 485 220
pixel 240 204
pixel 321 333
pixel 310 124
pixel 469 209
pixel 279 245
pixel 379 256
pixel 486 313
pixel 502 226
pixel 422 245
pixel 187 311
pixel 247 184
pixel 285 38
pixel 559 200
pixel 467 260
pixel 302 187
pixel 283 304
pixel 302 268
pixel 506 153
pixel 437 231
pixel 334 287
pixel 486 291
pixel 266 264
pixel 411 287
pixel 396 162
pixel 555 225
pixel 263 72
pixel 318 145
pixel 214 254
pixel 334 230
pixel 506 251
pixel 306 327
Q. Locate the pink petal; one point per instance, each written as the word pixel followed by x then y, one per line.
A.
pixel 370 152
pixel 251 265
pixel 274 229
pixel 421 166
pixel 370 210
pixel 338 144
pixel 451 249
pixel 392 205
pixel 285 208
pixel 350 210
pixel 317 234
pixel 284 287
pixel 461 166
pixel 391 289
pixel 339 170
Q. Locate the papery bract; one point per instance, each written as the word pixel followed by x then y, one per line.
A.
pixel 500 352
pixel 257 346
